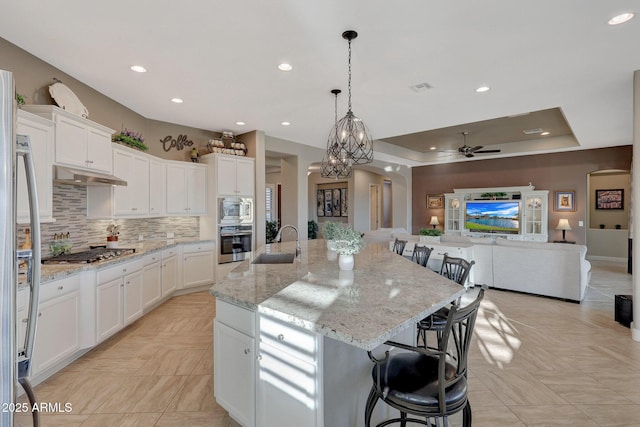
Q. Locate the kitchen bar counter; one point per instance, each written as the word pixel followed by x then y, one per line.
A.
pixel 384 294
pixel 49 272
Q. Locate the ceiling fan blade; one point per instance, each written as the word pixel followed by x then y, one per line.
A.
pixel 487 151
pixel 476 148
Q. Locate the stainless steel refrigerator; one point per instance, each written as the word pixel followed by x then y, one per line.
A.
pixel 15 358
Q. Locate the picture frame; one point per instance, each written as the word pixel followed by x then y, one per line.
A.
pixel 610 199
pixel 328 203
pixel 320 206
pixel 564 200
pixel 336 202
pixel 435 201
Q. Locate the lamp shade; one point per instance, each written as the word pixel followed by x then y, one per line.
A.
pixel 563 224
pixel 434 220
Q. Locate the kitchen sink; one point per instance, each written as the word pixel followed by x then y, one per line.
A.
pixel 279 258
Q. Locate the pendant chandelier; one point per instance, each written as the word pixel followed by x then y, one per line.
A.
pixel 336 164
pixel 350 136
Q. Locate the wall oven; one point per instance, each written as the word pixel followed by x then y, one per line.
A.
pixel 235 210
pixel 235 243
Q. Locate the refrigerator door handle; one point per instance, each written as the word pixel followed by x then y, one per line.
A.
pixel 23 150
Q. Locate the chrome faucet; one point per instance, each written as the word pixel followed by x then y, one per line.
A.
pixel 279 237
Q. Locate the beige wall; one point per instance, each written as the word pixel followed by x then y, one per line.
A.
pixel 609 217
pixel 558 171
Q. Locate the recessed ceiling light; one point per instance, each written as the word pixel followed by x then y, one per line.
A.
pixel 432 148
pixel 482 89
pixel 621 19
pixel 240 123
pixel 285 123
pixel 285 67
pixel 545 133
pixel 138 69
pixel 177 100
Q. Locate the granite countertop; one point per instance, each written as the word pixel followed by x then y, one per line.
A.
pixel 49 272
pixel 384 294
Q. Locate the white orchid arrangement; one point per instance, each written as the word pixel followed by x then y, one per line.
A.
pixel 347 240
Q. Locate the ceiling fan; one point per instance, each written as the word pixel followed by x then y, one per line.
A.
pixel 468 151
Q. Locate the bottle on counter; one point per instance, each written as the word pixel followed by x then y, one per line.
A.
pixel 27 239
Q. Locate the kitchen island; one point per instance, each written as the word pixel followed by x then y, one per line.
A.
pixel 290 340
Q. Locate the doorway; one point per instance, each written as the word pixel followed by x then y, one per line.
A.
pixel 374 207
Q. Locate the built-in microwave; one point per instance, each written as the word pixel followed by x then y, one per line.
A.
pixel 235 210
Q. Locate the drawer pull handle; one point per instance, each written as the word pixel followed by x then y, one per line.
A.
pixel 280 337
pixel 60 288
pixel 247 350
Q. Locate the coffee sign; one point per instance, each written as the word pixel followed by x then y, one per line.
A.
pixel 179 143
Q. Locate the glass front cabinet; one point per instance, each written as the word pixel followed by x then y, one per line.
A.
pixel 452 213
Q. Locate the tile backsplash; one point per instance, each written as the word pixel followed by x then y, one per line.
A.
pixel 70 213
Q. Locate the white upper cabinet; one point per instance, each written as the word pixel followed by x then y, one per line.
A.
pixel 79 143
pixel 186 188
pixel 41 133
pixel 234 175
pixel 132 199
pixel 157 188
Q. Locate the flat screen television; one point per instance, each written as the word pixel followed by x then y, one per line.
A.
pixel 492 216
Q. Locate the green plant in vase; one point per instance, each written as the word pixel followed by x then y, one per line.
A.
pixel 430 232
pixel 130 138
pixel 348 241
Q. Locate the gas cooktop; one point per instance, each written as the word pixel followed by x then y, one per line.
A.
pixel 91 255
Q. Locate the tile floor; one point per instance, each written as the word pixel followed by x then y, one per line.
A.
pixel 536 362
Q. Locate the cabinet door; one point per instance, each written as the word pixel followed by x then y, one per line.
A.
pixel 151 284
pixel 197 269
pixel 157 188
pixel 169 275
pixel 40 132
pixel 197 190
pixel 140 186
pixel 234 373
pixel 132 298
pixel 123 165
pixel 99 150
pixel 226 175
pixel 71 142
pixel 108 309
pixel 244 177
pixel 287 394
pixel 176 189
pixel 58 331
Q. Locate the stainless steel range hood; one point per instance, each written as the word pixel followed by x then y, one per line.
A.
pixel 66 175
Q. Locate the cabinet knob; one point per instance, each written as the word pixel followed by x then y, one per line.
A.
pixel 247 350
pixel 259 357
pixel 24 320
pixel 39 314
pixel 280 337
pixel 124 270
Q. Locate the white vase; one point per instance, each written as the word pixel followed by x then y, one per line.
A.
pixel 345 277
pixel 331 245
pixel 332 255
pixel 345 262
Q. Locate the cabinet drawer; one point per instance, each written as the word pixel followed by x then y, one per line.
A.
pixel 288 338
pixel 240 319
pixel 197 247
pixel 60 287
pixel 151 258
pixel 111 273
pixel 167 253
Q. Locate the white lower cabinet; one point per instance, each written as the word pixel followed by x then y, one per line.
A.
pixel 169 271
pixel 151 280
pixel 198 264
pixel 58 330
pixel 235 361
pixel 118 297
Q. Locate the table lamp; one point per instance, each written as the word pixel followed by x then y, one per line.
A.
pixel 434 221
pixel 563 225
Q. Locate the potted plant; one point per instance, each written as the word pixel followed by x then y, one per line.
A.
pixel 312 230
pixel 329 230
pixel 271 231
pixel 130 138
pixel 348 242
pixel 20 99
pixel 430 235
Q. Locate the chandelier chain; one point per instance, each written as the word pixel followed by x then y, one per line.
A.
pixel 349 85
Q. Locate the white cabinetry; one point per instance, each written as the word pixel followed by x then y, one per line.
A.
pixel 234 175
pixel 289 391
pixel 157 188
pixel 58 331
pixel 151 280
pixel 186 188
pixel 79 142
pixel 532 208
pixel 197 264
pixel 235 365
pixel 118 297
pixel 132 199
pixel 169 271
pixel 41 133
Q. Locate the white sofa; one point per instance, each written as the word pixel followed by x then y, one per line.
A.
pixel 550 269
